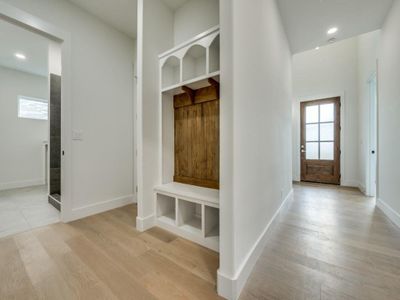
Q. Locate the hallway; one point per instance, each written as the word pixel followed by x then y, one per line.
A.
pixel 330 243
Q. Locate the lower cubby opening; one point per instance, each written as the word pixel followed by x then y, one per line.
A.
pixel 189 216
pixel 166 211
pixel 211 222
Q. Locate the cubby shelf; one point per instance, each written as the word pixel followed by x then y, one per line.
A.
pixel 189 211
pixel 191 62
pixel 194 84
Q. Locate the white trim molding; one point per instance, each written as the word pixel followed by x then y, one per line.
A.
pixel 388 211
pixel 97 208
pixel 22 184
pixel 350 183
pixel 231 287
pixel 143 224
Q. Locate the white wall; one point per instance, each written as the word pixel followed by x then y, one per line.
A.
pixel 102 103
pixel 329 71
pixel 195 17
pixel 256 103
pixel 155 35
pixel 22 152
pixel 388 116
pixel 367 64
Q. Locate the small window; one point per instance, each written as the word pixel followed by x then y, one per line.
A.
pixel 32 108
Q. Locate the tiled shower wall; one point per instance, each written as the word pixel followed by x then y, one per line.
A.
pixel 55 139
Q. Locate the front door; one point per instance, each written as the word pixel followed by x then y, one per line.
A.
pixel 320 141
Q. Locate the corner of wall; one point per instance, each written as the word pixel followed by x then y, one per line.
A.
pixel 388 211
pixel 143 224
pixel 231 287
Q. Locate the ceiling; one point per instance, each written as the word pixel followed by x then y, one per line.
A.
pixel 307 21
pixel 14 40
pixel 120 14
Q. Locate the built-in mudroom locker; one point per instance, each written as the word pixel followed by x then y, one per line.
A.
pixel 55 142
pixel 187 201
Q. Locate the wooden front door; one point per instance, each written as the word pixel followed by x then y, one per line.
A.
pixel 320 141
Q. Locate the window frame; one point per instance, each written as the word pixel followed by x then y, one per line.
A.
pixel 319 141
pixel 21 97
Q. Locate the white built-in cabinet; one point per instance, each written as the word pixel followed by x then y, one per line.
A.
pixel 188 211
pixel 191 63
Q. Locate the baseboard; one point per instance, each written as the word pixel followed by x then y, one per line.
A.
pixel 143 224
pixel 350 183
pixel 21 184
pixel 231 287
pixel 388 211
pixel 93 209
pixel 362 188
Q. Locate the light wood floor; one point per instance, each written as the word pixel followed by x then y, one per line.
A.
pixel 104 257
pixel 331 243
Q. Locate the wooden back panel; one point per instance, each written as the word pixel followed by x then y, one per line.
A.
pixel 197 138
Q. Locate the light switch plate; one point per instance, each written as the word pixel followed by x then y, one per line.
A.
pixel 77 135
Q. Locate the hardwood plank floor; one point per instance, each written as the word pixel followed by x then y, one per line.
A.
pixel 105 257
pixel 330 243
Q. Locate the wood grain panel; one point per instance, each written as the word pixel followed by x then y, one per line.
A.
pixel 197 138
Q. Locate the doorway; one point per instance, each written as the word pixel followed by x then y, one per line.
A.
pixel 24 130
pixel 373 136
pixel 320 141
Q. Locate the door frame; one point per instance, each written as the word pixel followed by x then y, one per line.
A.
pixel 18 17
pixel 337 147
pixel 370 159
pixel 297 142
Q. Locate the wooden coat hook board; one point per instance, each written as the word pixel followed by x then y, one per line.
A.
pixel 196 118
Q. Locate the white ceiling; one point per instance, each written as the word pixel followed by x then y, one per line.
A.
pixel 120 14
pixel 15 39
pixel 307 21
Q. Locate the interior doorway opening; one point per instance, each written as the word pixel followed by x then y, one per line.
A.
pixel 26 62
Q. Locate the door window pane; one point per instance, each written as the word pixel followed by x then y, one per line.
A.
pixel 327 132
pixel 312 133
pixel 311 150
pixel 327 151
pixel 327 112
pixel 312 114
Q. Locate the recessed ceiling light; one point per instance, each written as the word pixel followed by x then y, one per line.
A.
pixel 332 30
pixel 317 48
pixel 20 56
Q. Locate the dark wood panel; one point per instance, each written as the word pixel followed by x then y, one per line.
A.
pixel 197 137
